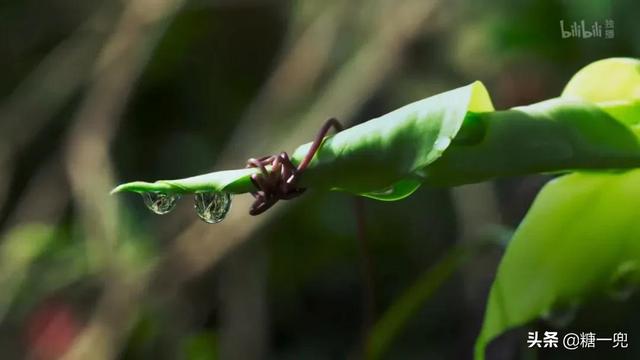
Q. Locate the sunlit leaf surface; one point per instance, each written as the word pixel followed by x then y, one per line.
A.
pixel 581 237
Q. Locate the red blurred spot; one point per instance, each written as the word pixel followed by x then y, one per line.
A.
pixel 50 331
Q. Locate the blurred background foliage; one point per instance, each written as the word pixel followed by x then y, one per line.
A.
pixel 94 93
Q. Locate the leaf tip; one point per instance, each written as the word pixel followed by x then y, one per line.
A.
pixel 128 187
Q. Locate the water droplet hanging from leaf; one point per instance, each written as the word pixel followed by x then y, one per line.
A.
pixel 212 207
pixel 159 202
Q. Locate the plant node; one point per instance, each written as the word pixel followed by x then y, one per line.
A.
pixel 280 182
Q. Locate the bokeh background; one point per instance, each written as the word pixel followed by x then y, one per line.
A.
pixel 94 93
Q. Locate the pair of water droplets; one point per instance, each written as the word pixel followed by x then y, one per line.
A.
pixel 211 207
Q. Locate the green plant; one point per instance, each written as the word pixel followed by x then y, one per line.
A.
pixel 387 158
pixel 578 239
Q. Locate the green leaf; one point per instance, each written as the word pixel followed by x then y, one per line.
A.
pixel 397 191
pixel 371 157
pixel 366 159
pixel 612 79
pixel 448 139
pixel 233 181
pixel 614 84
pixel 550 136
pixel 580 238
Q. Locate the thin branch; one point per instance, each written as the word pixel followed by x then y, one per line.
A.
pixel 49 86
pixel 368 292
pixel 120 63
